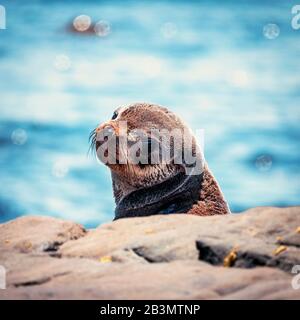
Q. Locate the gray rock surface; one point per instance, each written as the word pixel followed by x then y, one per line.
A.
pixel 244 256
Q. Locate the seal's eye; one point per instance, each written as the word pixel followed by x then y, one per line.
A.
pixel 114 115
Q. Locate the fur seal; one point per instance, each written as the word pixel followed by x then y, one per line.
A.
pixel 142 189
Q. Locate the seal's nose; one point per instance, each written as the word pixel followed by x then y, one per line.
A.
pixel 107 138
pixel 105 133
pixel 107 129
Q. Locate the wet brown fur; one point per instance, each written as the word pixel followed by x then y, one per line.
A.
pixel 211 201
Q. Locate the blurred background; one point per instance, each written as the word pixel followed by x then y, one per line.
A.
pixel 229 67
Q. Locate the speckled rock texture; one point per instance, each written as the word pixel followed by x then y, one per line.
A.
pixel 179 256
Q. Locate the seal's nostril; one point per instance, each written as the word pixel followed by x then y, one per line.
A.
pixel 108 130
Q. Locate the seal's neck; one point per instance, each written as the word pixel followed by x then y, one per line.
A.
pixel 175 195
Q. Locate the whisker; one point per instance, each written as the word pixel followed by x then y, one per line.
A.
pixel 92 134
pixel 92 142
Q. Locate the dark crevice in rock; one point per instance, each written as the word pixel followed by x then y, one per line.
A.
pixel 52 246
pixel 55 255
pixel 292 241
pixel 215 255
pixel 140 252
pixel 40 281
pixel 212 255
pixel 33 282
pixel 251 260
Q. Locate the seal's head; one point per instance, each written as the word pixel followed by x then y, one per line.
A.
pixel 155 163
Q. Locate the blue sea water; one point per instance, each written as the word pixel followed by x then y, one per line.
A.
pixel 208 61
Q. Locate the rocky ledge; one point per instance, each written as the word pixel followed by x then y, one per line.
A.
pixel 244 256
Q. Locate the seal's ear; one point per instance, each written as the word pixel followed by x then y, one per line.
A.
pixel 211 201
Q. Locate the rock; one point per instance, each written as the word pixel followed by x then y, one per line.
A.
pixel 36 234
pixel 163 257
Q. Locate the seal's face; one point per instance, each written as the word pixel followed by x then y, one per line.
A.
pixel 140 129
pixel 155 163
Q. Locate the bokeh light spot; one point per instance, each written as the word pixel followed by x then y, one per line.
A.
pixel 271 31
pixel 82 23
pixel 264 163
pixel 102 28
pixel 19 137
